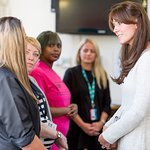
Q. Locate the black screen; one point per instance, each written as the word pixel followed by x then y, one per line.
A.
pixel 84 16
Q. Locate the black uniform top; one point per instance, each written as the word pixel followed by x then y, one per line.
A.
pixel 19 115
pixel 80 95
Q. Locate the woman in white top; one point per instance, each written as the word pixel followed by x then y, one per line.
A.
pixel 129 128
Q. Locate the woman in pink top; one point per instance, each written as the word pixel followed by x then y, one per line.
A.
pixel 57 93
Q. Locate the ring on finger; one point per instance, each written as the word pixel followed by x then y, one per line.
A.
pixel 103 147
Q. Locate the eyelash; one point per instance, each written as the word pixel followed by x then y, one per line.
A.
pixel 37 55
pixel 53 45
pixel 86 50
pixel 116 23
pixel 34 54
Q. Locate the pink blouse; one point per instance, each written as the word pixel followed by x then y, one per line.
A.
pixel 56 91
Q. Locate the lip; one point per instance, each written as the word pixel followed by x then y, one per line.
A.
pixel 88 57
pixel 30 64
pixel 55 55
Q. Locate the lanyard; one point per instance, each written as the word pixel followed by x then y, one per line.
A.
pixel 91 88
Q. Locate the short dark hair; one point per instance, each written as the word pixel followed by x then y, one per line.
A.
pixel 48 37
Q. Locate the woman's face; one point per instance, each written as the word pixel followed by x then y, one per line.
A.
pixel 87 53
pixel 32 56
pixel 51 53
pixel 124 32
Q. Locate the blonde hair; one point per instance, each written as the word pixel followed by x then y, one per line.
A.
pixel 98 69
pixel 12 49
pixel 34 42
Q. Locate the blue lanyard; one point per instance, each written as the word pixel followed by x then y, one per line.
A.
pixel 91 88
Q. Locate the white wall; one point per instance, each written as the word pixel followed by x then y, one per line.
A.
pixel 36 16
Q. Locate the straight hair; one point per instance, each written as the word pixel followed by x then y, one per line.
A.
pixel 12 49
pixel 131 13
pixel 98 69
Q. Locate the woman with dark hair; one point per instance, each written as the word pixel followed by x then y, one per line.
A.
pixel 129 126
pixel 57 93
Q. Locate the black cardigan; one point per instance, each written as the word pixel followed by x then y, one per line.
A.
pixel 79 94
pixel 19 115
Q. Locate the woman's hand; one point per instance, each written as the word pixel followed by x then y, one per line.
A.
pixel 112 146
pixel 103 142
pixel 62 142
pixel 97 127
pixel 88 129
pixel 100 139
pixel 72 111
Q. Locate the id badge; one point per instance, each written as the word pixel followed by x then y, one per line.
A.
pixel 93 114
pixel 52 125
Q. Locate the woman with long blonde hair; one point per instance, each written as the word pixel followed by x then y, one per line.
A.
pixel 89 89
pixel 49 133
pixel 19 116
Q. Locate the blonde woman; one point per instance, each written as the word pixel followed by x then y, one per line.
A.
pixel 89 89
pixel 19 115
pixel 48 134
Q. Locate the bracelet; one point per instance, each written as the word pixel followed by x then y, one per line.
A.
pixel 58 135
pixel 103 121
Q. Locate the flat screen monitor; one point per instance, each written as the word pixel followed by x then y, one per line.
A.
pixel 84 16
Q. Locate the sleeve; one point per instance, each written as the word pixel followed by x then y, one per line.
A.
pixel 107 100
pixel 40 79
pixel 68 79
pixel 140 107
pixel 114 118
pixel 14 114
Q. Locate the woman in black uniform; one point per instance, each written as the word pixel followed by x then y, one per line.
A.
pixel 89 89
pixel 19 115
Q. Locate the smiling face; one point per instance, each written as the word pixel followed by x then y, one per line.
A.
pixel 32 56
pixel 124 32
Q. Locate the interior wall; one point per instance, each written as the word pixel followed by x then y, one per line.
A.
pixel 36 17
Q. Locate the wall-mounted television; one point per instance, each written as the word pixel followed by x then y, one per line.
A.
pixel 84 16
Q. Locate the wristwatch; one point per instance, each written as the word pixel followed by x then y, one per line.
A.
pixel 58 135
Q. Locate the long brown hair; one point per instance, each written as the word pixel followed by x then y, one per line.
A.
pixel 131 13
pixel 12 49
